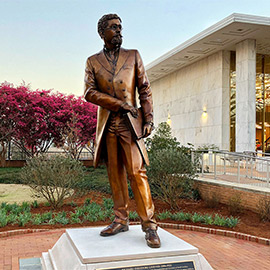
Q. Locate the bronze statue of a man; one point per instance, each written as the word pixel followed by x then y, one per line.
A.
pixel 111 79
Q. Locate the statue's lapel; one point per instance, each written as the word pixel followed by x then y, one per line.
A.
pixel 123 55
pixel 104 62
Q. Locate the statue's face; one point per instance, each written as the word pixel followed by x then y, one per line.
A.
pixel 112 33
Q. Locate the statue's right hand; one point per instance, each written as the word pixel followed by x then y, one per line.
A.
pixel 128 108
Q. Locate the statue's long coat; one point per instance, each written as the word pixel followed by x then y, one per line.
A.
pixel 110 88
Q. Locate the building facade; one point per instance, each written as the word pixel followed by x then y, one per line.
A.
pixel 215 87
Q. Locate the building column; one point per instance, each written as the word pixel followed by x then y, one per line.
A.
pixel 225 143
pixel 245 95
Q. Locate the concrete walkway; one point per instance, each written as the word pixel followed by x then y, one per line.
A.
pixel 220 251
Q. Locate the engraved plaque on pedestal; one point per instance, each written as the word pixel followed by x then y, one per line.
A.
pixel 188 265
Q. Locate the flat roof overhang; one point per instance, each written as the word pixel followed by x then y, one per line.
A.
pixel 223 35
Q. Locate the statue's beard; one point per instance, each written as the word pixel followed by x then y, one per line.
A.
pixel 117 41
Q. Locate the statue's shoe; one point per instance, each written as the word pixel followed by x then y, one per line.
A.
pixel 113 229
pixel 152 238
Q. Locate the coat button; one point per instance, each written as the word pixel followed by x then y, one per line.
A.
pixel 110 80
pixel 125 96
pixel 108 88
pixel 123 89
pixel 121 81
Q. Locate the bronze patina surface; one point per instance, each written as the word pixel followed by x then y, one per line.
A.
pixel 112 77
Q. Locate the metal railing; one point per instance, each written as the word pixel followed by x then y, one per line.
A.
pixel 245 168
pixel 84 155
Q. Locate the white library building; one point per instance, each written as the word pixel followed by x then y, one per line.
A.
pixel 215 87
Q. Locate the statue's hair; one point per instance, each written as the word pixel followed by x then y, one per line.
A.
pixel 103 22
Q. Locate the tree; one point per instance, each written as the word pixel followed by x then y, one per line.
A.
pixel 79 131
pixel 10 114
pixel 33 120
pixel 36 130
pixel 162 139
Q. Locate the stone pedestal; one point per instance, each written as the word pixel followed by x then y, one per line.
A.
pixel 85 249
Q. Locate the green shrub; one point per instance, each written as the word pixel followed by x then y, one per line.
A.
pixel 60 218
pixel 73 204
pixel 206 147
pixel 46 217
pixel 87 201
pixel 109 213
pixel 75 220
pixel 94 212
pixel 24 218
pixel 197 218
pixel 207 219
pixel 162 139
pixel 188 216
pixel 53 178
pixel 25 207
pixel 79 212
pixel 263 207
pixel 171 176
pixel 10 176
pixel 3 218
pixel 17 209
pixel 164 215
pixel 133 215
pixel 171 171
pixel 91 218
pixel 12 218
pixel 107 203
pixel 179 216
pixel 212 200
pixel 36 219
pixel 231 222
pixel 92 209
pixel 235 204
pixel 102 215
pixel 196 195
pixel 35 204
pixel 3 205
pixel 94 179
pixel 219 221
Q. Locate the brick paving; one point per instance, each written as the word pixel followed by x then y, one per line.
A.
pixel 16 247
pixel 221 252
pixel 225 253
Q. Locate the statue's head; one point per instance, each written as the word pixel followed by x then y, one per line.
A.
pixel 110 28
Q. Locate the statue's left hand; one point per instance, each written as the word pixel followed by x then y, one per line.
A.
pixel 147 129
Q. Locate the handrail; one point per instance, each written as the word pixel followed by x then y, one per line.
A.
pixel 238 154
pixel 220 164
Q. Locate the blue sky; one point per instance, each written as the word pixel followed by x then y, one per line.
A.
pixel 46 42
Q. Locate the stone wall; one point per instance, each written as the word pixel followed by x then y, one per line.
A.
pixel 250 197
pixel 186 93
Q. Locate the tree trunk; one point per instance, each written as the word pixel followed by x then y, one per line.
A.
pixel 3 153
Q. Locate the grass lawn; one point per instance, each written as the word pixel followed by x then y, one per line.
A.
pixel 12 191
pixel 17 193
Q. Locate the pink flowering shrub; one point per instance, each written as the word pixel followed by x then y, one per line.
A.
pixel 81 122
pixel 33 120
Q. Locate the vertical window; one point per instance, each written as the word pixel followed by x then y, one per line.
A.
pixel 232 100
pixel 263 102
